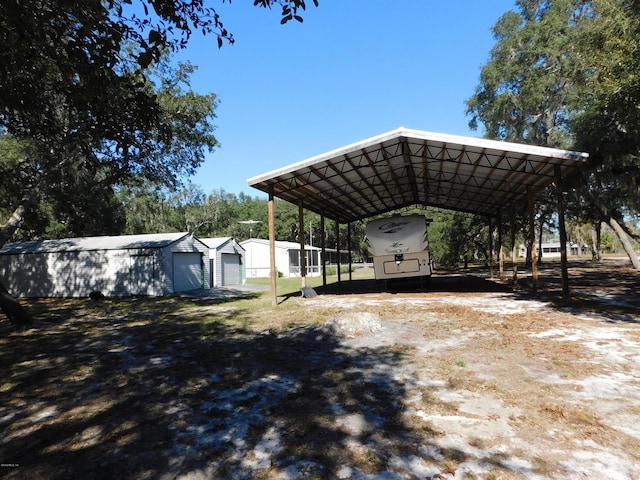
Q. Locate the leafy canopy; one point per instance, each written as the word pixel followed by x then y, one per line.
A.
pixel 87 91
pixel 563 73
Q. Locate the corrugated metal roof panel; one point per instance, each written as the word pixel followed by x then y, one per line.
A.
pixel 156 240
pixel 413 167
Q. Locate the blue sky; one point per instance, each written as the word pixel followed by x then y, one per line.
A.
pixel 352 70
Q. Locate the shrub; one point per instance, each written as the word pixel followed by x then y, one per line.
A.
pixel 333 270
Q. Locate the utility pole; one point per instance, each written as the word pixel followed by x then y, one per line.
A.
pixel 251 223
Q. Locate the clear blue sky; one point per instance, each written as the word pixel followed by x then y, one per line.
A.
pixel 353 69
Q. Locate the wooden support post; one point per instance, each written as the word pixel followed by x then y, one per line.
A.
pixel 500 248
pixel 491 247
pixel 303 255
pixel 338 249
pixel 563 234
pixel 324 251
pixel 532 240
pixel 514 248
pixel 349 249
pixel 272 248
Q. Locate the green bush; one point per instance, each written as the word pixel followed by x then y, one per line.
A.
pixel 333 270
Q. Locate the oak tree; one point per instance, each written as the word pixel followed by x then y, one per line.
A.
pixel 562 75
pixel 77 93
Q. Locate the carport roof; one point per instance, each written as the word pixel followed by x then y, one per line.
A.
pixel 407 167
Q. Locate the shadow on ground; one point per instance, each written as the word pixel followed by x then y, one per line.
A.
pixel 470 281
pixel 163 388
pixel 141 389
pixel 607 289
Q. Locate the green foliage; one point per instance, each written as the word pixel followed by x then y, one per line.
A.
pixel 72 186
pixel 456 237
pixel 150 208
pixel 87 90
pixel 610 243
pixel 563 73
pixel 290 8
pixel 526 86
pixel 330 271
pixel 608 125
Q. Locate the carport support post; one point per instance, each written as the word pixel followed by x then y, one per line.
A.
pixel 338 249
pixel 324 251
pixel 500 249
pixel 532 239
pixel 490 247
pixel 514 265
pixel 563 233
pixel 349 248
pixel 272 248
pixel 303 257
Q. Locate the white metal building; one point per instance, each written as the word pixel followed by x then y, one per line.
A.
pixel 287 258
pixel 226 261
pixel 155 264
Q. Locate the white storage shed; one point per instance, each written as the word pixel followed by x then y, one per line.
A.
pixel 154 264
pixel 287 258
pixel 226 261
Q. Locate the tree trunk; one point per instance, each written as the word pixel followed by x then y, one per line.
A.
pixel 596 252
pixel 626 242
pixel 539 260
pixel 15 312
pixel 9 228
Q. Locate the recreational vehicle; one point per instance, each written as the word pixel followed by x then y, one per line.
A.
pixel 399 246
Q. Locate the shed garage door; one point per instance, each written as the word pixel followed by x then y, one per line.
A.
pixel 230 269
pixel 187 271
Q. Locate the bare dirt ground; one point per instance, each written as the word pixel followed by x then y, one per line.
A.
pixel 470 379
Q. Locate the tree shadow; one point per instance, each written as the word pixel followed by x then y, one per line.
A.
pixel 607 289
pixel 134 389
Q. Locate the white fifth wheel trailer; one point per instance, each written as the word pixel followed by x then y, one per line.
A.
pixel 399 246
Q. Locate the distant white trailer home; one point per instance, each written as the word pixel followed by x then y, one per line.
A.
pixel 154 264
pixel 552 250
pixel 257 259
pixel 226 261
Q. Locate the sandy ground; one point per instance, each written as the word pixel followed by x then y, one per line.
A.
pixel 480 383
pixel 491 423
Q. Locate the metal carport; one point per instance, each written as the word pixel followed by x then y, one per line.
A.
pixel 407 167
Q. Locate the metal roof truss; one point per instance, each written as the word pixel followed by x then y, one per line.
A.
pixel 411 167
